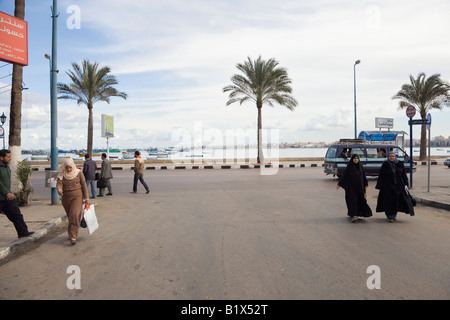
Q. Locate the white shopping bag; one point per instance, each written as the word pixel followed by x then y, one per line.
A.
pixel 90 218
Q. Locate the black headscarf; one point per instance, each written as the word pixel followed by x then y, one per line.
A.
pixel 393 166
pixel 353 173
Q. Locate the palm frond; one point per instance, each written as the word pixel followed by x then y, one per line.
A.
pixel 262 82
pixel 90 83
pixel 423 93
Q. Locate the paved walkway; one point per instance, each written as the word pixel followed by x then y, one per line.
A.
pixel 41 217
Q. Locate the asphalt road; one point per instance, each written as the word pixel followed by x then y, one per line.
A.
pixel 236 234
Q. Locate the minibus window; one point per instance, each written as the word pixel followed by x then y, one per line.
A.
pixel 346 153
pixel 399 152
pixel 358 151
pixel 381 153
pixel 372 153
pixel 331 153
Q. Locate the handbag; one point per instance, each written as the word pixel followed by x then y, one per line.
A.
pixel 83 223
pixel 97 176
pixel 90 218
pixel 101 183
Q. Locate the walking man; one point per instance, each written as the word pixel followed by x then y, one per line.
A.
pixel 8 202
pixel 89 169
pixel 139 167
pixel 106 175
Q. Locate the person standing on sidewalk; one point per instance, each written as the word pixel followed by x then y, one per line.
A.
pixel 8 202
pixel 89 169
pixel 71 186
pixel 393 185
pixel 139 167
pixel 106 175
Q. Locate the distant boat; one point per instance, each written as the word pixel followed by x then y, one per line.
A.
pixel 194 156
pixel 171 150
pixel 40 157
pixel 104 150
pixel 158 154
pixel 92 155
pixel 127 155
pixel 68 154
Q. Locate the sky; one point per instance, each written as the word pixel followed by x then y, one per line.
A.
pixel 173 58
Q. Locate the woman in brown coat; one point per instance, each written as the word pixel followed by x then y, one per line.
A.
pixel 71 186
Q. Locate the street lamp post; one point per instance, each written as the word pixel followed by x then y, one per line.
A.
pixel 3 119
pixel 53 101
pixel 354 91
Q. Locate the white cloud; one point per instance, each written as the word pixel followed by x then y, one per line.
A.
pixel 174 57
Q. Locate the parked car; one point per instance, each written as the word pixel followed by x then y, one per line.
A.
pixel 371 156
pixel 447 162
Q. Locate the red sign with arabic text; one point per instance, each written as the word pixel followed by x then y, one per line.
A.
pixel 13 39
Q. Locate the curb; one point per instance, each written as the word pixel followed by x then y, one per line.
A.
pixel 432 203
pixel 212 166
pixel 194 166
pixel 38 234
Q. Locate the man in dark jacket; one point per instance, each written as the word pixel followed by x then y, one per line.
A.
pixel 89 169
pixel 106 175
pixel 8 202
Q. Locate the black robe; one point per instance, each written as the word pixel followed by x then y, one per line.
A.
pixel 392 197
pixel 354 182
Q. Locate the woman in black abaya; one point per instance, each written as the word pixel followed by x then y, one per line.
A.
pixel 354 182
pixel 393 184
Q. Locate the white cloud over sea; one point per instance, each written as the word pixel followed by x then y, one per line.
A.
pixel 174 57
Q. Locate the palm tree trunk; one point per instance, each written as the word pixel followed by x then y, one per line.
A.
pixel 15 113
pixel 260 158
pixel 423 139
pixel 90 129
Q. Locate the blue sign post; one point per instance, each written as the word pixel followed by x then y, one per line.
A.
pixel 410 113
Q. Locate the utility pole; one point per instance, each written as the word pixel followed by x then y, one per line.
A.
pixel 53 102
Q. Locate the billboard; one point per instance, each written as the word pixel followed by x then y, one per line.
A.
pixel 384 123
pixel 13 40
pixel 107 126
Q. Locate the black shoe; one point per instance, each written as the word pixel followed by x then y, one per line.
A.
pixel 148 191
pixel 109 194
pixel 29 233
pixel 100 195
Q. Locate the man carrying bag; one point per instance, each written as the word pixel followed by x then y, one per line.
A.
pixel 105 177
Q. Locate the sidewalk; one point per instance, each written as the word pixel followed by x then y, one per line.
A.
pixel 42 217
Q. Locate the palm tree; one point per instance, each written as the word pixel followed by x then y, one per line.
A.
pixel 424 95
pixel 90 84
pixel 15 113
pixel 262 82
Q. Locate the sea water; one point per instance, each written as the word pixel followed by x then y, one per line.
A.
pixel 247 153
